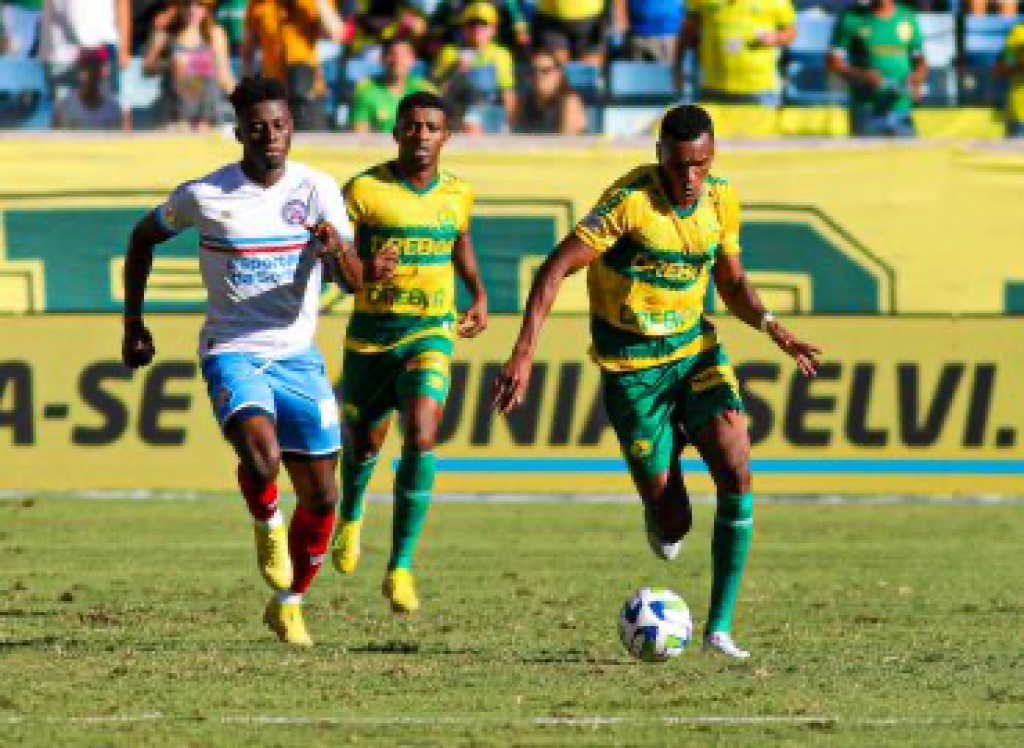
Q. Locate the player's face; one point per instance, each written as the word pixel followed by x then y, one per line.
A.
pixel 687 163
pixel 265 133
pixel 421 132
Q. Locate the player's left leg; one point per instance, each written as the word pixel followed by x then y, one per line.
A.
pixel 422 389
pixel 724 444
pixel 309 535
pixel 309 435
pixel 641 407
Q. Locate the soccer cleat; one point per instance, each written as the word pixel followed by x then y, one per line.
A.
pixel 345 553
pixel 272 556
pixel 719 642
pixel 664 551
pixel 285 620
pixel 400 588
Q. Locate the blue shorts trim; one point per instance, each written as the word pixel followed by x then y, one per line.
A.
pixel 293 391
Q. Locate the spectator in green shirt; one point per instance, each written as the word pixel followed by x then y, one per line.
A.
pixel 231 17
pixel 376 99
pixel 877 51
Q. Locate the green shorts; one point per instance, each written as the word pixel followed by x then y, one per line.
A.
pixel 374 384
pixel 645 407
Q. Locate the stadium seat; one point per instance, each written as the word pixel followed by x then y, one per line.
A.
pixel 23 100
pixel 140 94
pixel 984 38
pixel 640 83
pixel 806 77
pixel 938 31
pixel 585 79
pixel 630 120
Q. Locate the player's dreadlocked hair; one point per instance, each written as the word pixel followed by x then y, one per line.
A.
pixel 686 122
pixel 256 89
pixel 424 100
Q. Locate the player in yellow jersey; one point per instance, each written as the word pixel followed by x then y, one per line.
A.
pixel 650 245
pixel 400 338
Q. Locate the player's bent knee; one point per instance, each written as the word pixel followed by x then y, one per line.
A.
pixel 423 441
pixel 263 462
pixel 321 499
pixel 734 475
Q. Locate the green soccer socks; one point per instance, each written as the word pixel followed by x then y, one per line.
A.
pixel 414 484
pixel 730 545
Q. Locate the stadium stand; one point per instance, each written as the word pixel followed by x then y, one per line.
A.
pixel 621 97
pixel 984 37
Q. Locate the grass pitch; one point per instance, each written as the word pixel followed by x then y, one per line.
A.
pixel 139 622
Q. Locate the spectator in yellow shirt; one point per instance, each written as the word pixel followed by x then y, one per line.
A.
pixel 1011 65
pixel 738 44
pixel 461 71
pixel 573 29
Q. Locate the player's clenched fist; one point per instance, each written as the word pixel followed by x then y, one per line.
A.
pixel 332 248
pixel 382 265
pixel 137 347
pixel 512 382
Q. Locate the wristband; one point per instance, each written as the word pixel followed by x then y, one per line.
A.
pixel 766 320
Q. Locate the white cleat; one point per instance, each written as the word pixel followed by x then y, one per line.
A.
pixel 720 642
pixel 664 551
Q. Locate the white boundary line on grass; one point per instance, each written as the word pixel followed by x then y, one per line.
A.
pixel 550 721
pixel 142 494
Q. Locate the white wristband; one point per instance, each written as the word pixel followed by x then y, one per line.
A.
pixel 766 320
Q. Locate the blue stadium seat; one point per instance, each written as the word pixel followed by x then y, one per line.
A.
pixel 805 69
pixel 641 83
pixel 585 79
pixel 140 94
pixel 23 100
pixel 984 38
pixel 938 31
pixel 631 120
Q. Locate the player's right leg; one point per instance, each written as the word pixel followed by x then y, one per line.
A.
pixel 368 387
pixel 640 408
pixel 244 405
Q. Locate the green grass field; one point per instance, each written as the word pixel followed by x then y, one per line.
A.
pixel 140 623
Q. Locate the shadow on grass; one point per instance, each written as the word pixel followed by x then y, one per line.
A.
pixel 572 657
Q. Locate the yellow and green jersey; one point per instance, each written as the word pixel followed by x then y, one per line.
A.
pixel 423 225
pixel 1013 55
pixel 731 57
pixel 648 285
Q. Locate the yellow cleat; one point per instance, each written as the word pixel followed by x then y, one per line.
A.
pixel 345 553
pixel 400 588
pixel 285 620
pixel 272 556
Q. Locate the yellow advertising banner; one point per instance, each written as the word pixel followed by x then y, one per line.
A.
pixel 901 405
pixel 852 228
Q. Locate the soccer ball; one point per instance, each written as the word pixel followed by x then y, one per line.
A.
pixel 655 625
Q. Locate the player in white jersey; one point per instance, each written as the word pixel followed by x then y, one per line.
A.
pixel 267 228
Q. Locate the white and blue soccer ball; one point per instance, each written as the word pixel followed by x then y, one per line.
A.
pixel 655 625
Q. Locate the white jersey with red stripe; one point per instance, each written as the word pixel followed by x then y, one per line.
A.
pixel 258 259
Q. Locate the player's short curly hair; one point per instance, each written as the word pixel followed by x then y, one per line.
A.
pixel 424 100
pixel 256 89
pixel 686 122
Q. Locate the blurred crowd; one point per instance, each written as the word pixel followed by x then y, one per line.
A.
pixel 528 66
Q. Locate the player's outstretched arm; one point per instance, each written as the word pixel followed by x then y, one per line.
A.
pixel 742 300
pixel 474 319
pixel 571 255
pixel 137 347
